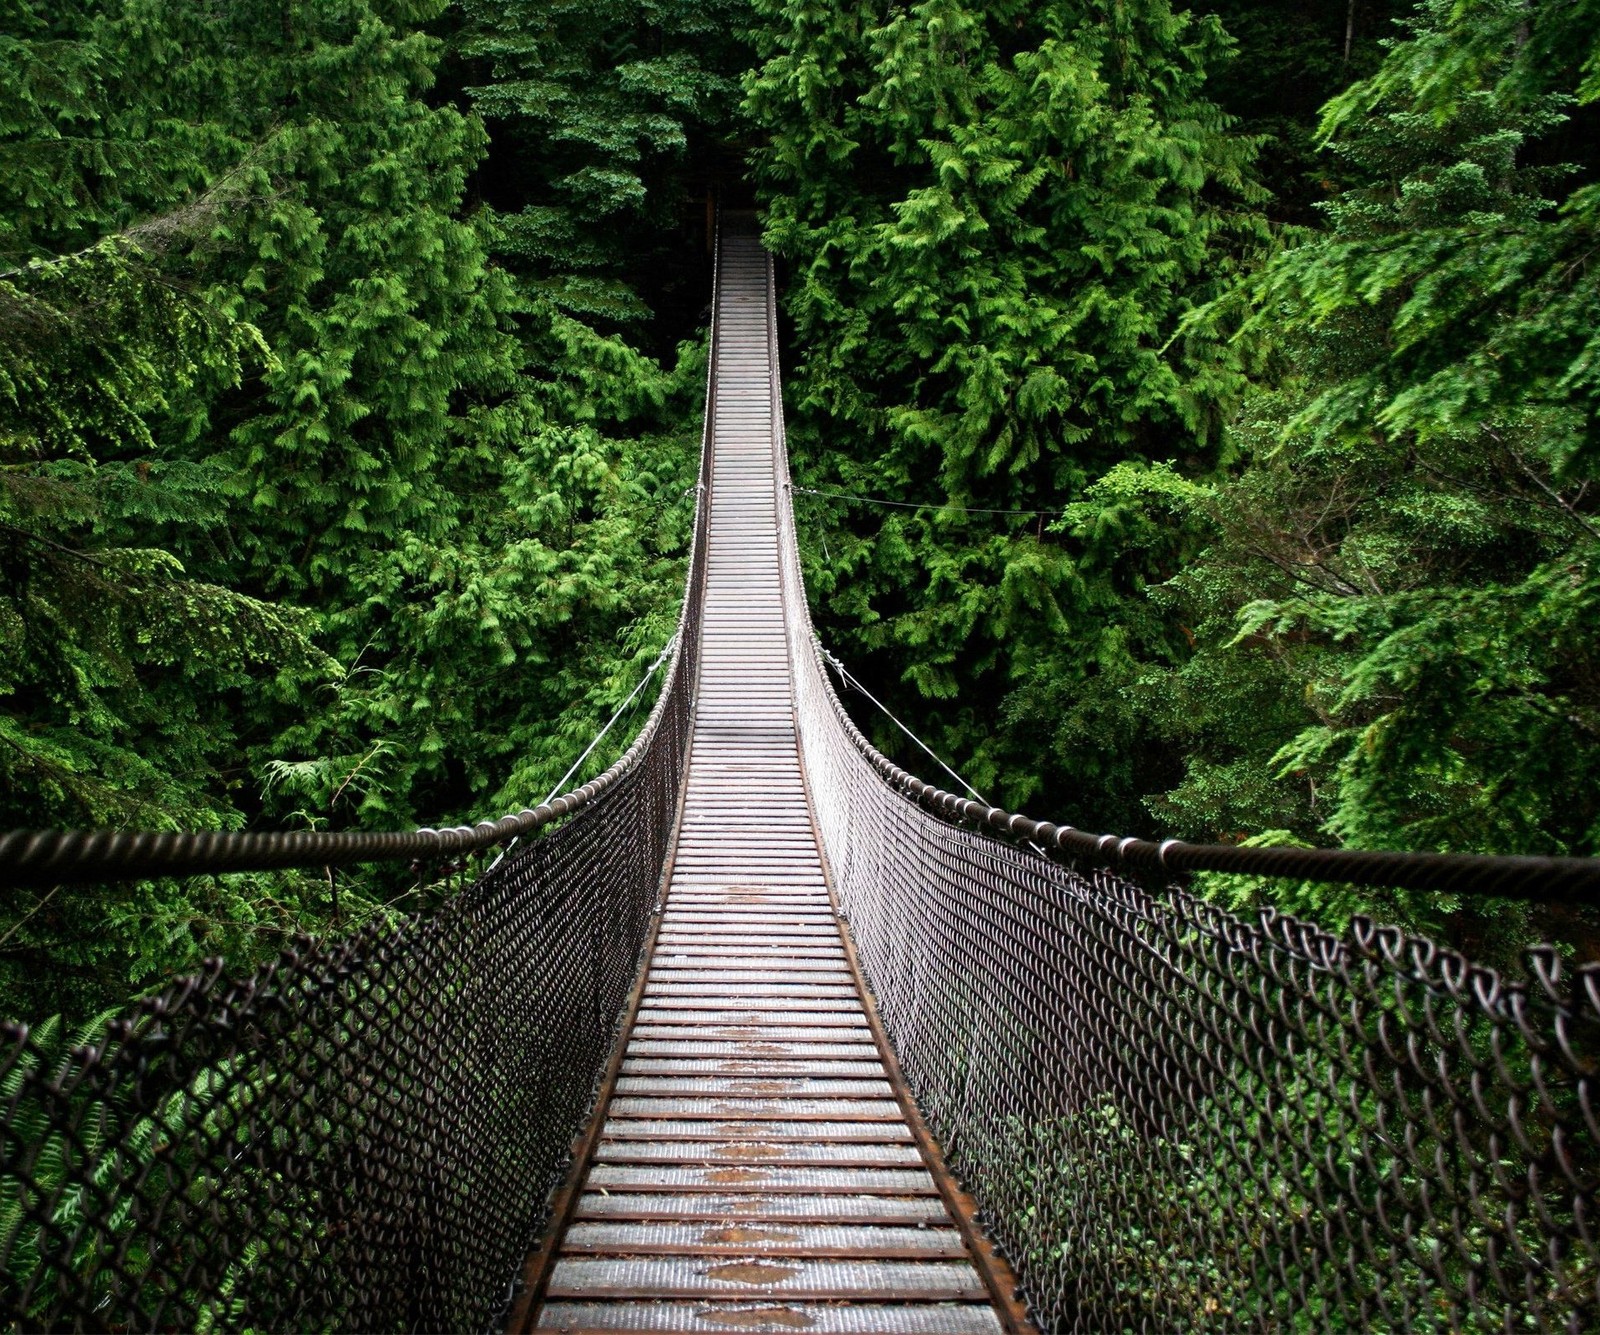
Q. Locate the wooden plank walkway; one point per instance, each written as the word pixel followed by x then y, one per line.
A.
pixel 757 1169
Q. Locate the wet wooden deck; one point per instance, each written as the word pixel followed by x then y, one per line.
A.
pixel 757 1168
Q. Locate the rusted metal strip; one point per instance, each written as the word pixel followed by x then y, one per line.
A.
pixel 737 1110
pixel 677 968
pixel 751 988
pixel 752 1148
pixel 785 1010
pixel 781 1126
pixel 973 1292
pixel 757 1033
pixel 752 1066
pixel 540 1265
pixel 806 1086
pixel 999 1280
pixel 829 1241
pixel 655 1277
pixel 717 1047
pixel 855 1251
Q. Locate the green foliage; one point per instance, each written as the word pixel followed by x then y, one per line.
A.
pixel 50 1155
pixel 1306 550
pixel 996 219
pixel 1396 612
pixel 111 651
pixel 132 1146
pixel 349 378
pixel 603 113
pixel 1292 58
pixel 315 512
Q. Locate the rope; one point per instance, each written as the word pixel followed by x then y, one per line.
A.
pixel 850 680
pixel 633 695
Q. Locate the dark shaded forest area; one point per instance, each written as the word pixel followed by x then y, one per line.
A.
pixel 1198 412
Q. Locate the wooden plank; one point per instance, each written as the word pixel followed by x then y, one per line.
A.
pixel 768 1179
pixel 710 1107
pixel 698 1207
pixel 806 1086
pixel 638 1238
pixel 707 1128
pixel 888 1281
pixel 697 1318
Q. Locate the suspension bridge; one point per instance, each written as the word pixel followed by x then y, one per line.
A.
pixel 759 1032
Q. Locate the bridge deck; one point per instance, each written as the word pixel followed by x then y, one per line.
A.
pixel 756 1169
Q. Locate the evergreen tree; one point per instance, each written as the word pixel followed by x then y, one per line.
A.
pixel 607 120
pixel 270 391
pixel 121 666
pixel 1292 58
pixel 1397 615
pixel 995 219
pixel 253 356
pixel 603 119
pixel 105 336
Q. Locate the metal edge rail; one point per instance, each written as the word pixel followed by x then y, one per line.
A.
pixel 49 857
pixel 999 1277
pixel 1512 877
pixel 994 1270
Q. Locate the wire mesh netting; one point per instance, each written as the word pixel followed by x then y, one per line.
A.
pixel 1172 1118
pixel 365 1134
pixel 360 1136
pixel 1175 1119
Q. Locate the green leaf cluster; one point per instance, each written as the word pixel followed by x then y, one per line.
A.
pixel 327 499
pixel 1236 397
pixel 996 219
pixel 1306 542
pixel 1403 578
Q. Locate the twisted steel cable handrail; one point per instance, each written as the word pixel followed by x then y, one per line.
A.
pixel 35 857
pixel 1544 878
pixel 1173 1117
pixel 363 1133
pixel 32 857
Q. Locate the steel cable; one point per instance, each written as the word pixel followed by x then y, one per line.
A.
pixel 1174 1118
pixel 364 1133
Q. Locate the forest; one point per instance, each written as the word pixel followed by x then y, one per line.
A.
pixel 1195 416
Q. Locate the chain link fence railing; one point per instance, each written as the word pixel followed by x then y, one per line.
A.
pixel 364 1134
pixel 1174 1119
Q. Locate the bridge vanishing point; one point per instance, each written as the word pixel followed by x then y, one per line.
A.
pixel 759 1032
